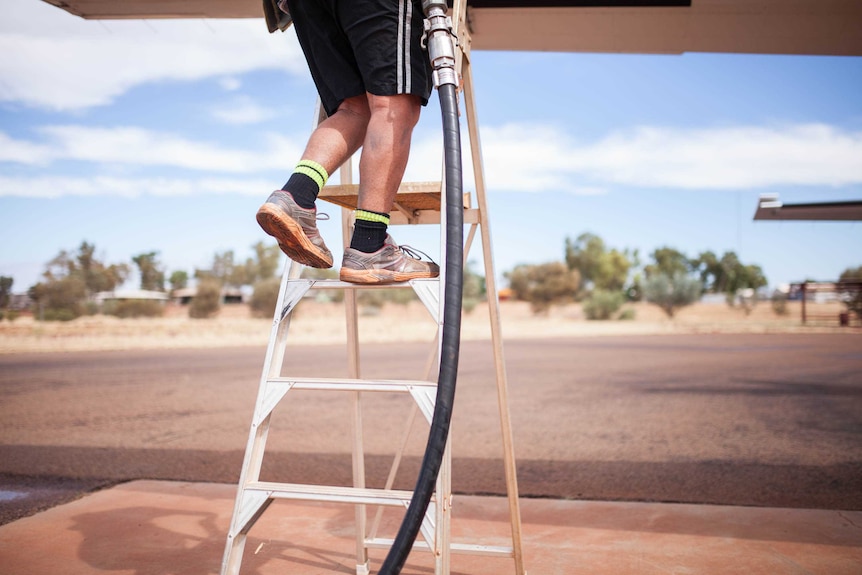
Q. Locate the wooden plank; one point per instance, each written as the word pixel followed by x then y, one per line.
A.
pixel 410 196
pixel 827 27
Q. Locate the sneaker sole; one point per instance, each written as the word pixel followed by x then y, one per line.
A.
pixel 291 237
pixel 369 277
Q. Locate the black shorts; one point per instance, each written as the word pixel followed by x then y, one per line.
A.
pixel 358 46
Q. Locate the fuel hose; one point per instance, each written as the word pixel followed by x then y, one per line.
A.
pixel 441 51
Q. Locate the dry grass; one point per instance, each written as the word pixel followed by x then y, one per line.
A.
pixel 323 323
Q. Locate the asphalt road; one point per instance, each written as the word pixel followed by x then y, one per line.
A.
pixel 762 420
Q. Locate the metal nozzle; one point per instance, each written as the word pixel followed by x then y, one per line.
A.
pixel 439 39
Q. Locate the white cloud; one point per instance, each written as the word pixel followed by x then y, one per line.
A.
pixel 230 83
pixel 139 147
pixel 242 110
pixel 725 158
pixel 534 158
pixel 58 186
pixel 51 59
pixel 23 152
pixel 516 157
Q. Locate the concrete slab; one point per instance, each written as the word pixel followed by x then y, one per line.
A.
pixel 176 528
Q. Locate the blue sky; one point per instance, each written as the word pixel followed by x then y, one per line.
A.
pixel 167 135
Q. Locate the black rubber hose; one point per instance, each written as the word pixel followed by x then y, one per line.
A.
pixel 450 343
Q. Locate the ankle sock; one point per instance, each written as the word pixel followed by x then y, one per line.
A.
pixel 369 231
pixel 306 182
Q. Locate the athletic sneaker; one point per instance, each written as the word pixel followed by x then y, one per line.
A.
pixel 295 228
pixel 389 264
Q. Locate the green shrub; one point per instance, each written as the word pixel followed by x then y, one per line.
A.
pixel 671 293
pixel 60 314
pixel 207 300
pixel 779 303
pixel 627 314
pixel 131 308
pixel 603 304
pixel 544 285
pixel 265 297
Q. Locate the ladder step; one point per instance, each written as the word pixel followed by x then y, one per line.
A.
pixel 415 202
pixel 419 545
pixel 341 384
pixel 337 284
pixel 410 196
pixel 331 493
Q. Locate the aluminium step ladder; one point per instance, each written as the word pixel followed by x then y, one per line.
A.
pixel 417 203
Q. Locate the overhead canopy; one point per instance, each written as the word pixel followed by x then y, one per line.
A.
pixel 771 208
pixel 828 27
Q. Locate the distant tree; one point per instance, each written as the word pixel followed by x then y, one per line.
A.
pixel 729 276
pixel 598 267
pixel 225 271
pixel 61 298
pixel 713 276
pixel 5 297
pixel 264 265
pixel 152 274
pixel 71 280
pixel 671 293
pixel 669 262
pixel 5 291
pixel 179 280
pixel 544 285
pixel 585 254
pixel 96 275
pixel 851 274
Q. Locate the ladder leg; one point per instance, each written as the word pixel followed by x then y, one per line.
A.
pixel 246 511
pixel 352 323
pixel 496 332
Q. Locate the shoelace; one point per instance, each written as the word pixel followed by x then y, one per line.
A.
pixel 414 253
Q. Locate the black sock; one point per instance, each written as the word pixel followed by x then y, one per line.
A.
pixel 305 183
pixel 369 235
pixel 303 189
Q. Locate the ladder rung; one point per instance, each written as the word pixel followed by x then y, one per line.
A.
pixel 336 384
pixel 331 493
pixel 337 284
pixel 487 550
pixel 411 195
pixel 415 202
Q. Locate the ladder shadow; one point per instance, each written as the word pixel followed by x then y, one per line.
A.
pixel 144 539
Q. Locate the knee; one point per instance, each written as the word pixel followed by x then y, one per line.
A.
pixel 357 108
pixel 401 110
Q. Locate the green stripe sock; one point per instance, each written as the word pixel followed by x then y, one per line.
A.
pixel 305 183
pixel 369 231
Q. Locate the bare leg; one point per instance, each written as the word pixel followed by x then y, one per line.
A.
pixel 331 143
pixel 386 149
pixel 384 157
pixel 340 135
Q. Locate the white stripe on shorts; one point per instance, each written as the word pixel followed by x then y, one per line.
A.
pixel 403 74
pixel 407 35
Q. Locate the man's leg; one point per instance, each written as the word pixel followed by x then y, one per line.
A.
pixel 373 258
pixel 289 214
pixel 339 136
pixel 386 149
pixel 385 152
